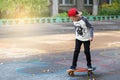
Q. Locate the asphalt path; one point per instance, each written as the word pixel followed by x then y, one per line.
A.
pixel 44 51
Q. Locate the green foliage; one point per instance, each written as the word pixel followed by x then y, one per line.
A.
pixel 84 12
pixel 113 9
pixel 117 1
pixel 23 8
pixel 64 14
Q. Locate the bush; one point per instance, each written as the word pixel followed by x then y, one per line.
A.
pixel 85 13
pixel 107 9
pixel 64 14
pixel 24 8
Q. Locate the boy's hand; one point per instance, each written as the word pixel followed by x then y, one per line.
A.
pixel 91 39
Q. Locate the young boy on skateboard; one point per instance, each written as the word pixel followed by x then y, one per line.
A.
pixel 84 35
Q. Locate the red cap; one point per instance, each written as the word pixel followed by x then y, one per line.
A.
pixel 72 12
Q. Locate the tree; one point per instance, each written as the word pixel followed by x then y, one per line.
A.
pixel 95 7
pixel 23 8
pixel 54 7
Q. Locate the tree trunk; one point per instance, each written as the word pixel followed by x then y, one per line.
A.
pixel 0 15
pixel 95 7
pixel 54 7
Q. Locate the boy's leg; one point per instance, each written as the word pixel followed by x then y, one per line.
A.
pixel 78 44
pixel 87 53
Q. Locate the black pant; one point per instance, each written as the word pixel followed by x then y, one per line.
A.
pixel 78 44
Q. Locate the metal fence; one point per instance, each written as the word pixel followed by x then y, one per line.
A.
pixel 53 20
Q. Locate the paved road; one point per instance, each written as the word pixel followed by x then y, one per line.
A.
pixel 49 29
pixel 44 51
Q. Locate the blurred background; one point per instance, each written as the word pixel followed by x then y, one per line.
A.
pixel 52 8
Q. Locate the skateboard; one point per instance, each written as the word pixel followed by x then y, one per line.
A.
pixel 89 72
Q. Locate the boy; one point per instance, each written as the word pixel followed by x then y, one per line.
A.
pixel 84 35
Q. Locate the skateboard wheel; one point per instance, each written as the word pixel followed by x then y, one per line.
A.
pixel 71 73
pixel 93 79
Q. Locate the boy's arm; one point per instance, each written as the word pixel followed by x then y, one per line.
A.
pixel 89 26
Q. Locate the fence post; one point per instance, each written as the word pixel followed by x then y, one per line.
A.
pixel 58 20
pixel 110 17
pixel 106 17
pixel 114 17
pixel 91 18
pixel 51 20
pixel 119 17
pixel 0 21
pixel 4 21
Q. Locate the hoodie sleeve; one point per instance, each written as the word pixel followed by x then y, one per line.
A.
pixel 89 26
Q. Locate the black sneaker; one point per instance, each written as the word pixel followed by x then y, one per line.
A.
pixel 72 67
pixel 90 67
